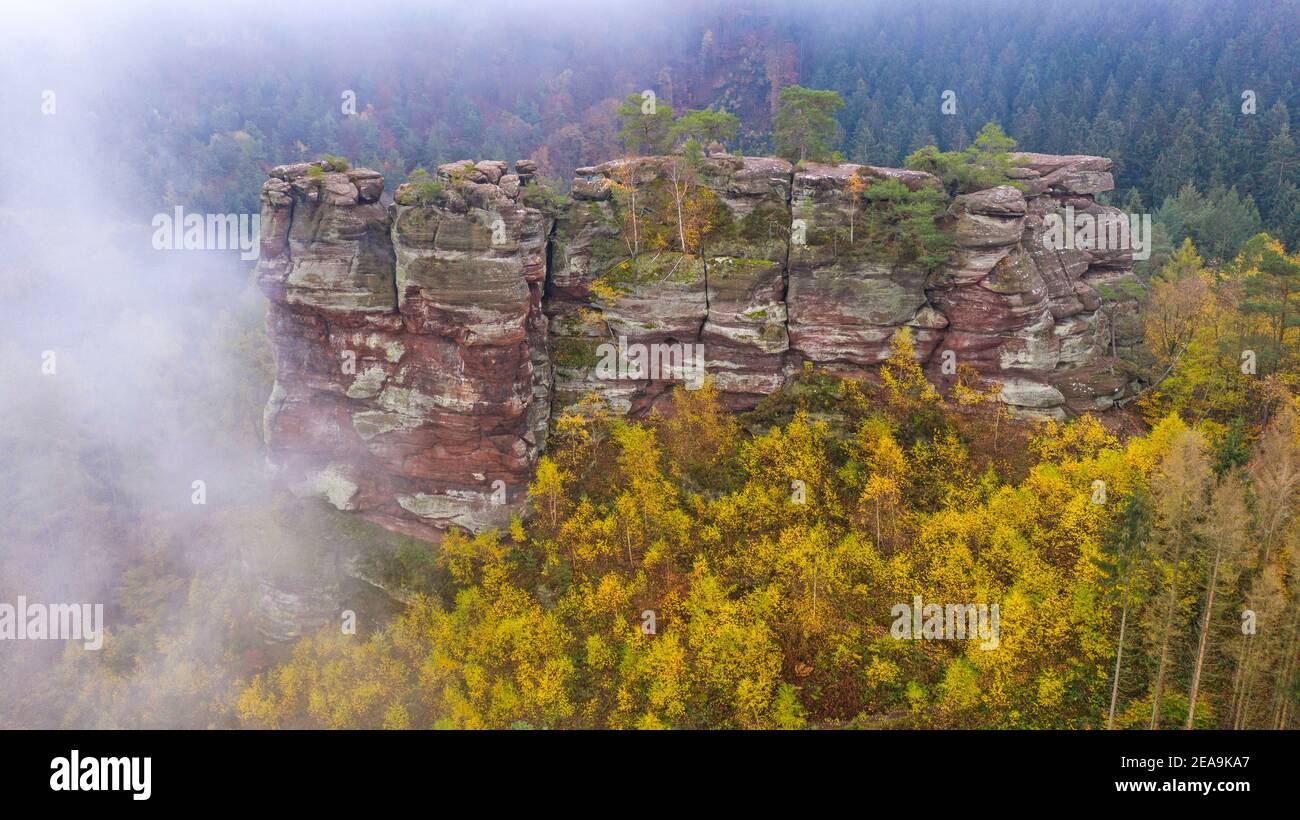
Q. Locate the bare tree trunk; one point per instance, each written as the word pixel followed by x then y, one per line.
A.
pixel 678 194
pixel 636 239
pixel 1284 675
pixel 1205 637
pixel 1119 656
pixel 1158 690
pixel 877 523
pixel 1237 675
pixel 1248 681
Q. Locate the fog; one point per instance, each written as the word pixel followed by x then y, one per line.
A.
pixel 129 373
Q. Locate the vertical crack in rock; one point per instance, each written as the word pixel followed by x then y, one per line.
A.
pixel 785 263
pixel 545 351
pixel 848 299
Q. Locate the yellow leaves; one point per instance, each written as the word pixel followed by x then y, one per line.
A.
pixel 697 208
pixel 1073 540
pixel 714 663
pixel 917 698
pixel 547 492
pixel 966 390
pixel 879 489
pixel 258 706
pixel 650 723
pixel 769 611
pixel 571 441
pixel 884 456
pixel 939 475
pixel 944 553
pixel 881 672
pixel 808 567
pixel 797 453
pixel 1145 453
pixel 467 557
pixel 332 681
pixel 1080 438
pixel 855 185
pixel 960 688
pixel 853 396
pixel 906 385
pixel 1261 255
pixel 499 659
pixel 495 659
pixel 667 671
pixel 611 600
pixel 645 516
pixel 571 426
pixel 700 436
pixel 736 661
pixel 786 711
pixel 589 319
pixel 638 455
pixel 600 654
pixel 1223 341
pixel 583 536
pixel 604 292
pixel 882 494
pixel 1050 690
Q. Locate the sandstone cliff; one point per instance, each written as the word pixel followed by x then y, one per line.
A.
pixel 422 347
pixel 410 344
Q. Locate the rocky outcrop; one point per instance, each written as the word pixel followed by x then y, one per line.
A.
pixel 847 300
pixel 788 272
pixel 618 280
pixel 411 382
pixel 423 346
pixel 1027 312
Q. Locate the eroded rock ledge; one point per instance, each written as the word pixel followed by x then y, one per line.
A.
pixel 423 346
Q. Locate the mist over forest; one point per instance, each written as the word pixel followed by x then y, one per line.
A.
pixel 1153 86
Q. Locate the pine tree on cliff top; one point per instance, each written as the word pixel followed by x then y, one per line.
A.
pixel 647 126
pixel 805 125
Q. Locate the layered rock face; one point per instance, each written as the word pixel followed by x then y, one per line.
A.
pixel 1037 317
pixel 847 301
pixel 617 277
pixel 412 382
pixel 422 347
pixel 785 272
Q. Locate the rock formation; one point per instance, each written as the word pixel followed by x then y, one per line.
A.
pixel 422 347
pixel 412 379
